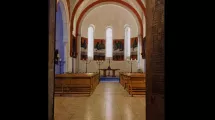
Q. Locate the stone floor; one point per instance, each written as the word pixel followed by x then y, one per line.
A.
pixel 108 102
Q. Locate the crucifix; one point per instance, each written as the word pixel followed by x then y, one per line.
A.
pixel 109 64
pixel 109 68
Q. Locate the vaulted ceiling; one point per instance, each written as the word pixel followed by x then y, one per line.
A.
pixel 86 3
pixel 109 15
pixel 78 8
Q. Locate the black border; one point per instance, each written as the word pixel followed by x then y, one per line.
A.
pixel 173 68
pixel 26 88
pixel 26 59
pixel 184 57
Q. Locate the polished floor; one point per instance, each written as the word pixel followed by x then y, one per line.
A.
pixel 109 101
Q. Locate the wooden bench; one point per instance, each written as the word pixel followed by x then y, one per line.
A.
pixel 124 79
pixel 134 83
pixel 82 83
pixel 137 85
pixel 120 78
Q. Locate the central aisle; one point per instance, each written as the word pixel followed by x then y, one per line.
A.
pixel 109 101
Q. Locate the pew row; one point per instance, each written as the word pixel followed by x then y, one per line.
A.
pixel 82 83
pixel 134 83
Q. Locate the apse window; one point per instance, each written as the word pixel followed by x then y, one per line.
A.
pixel 109 42
pixel 127 44
pixel 90 42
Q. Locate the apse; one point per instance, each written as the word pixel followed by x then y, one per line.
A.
pixel 117 18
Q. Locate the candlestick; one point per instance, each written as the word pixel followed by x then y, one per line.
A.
pixel 87 62
pixel 99 62
pixel 131 62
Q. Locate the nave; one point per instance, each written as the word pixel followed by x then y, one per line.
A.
pixel 109 101
pixel 87 37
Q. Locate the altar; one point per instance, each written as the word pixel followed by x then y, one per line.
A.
pixel 107 75
pixel 109 69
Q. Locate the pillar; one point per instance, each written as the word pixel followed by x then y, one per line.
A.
pixel 51 47
pixel 65 55
pixel 79 53
pixel 138 52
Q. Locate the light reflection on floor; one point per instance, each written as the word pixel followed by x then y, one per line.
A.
pixel 108 102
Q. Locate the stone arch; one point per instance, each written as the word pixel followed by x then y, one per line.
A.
pixel 109 26
pixel 126 25
pixel 80 2
pixel 119 3
pixel 98 2
pixel 91 25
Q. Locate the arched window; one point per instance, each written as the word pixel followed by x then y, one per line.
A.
pixel 127 44
pixel 109 43
pixel 90 42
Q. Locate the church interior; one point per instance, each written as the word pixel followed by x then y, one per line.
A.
pixel 107 56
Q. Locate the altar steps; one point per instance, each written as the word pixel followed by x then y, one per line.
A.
pixel 109 79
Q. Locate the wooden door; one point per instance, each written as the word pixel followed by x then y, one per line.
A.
pixel 51 49
pixel 155 59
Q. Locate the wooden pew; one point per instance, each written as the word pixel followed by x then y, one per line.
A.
pixel 124 79
pixel 58 86
pixel 81 83
pixel 135 83
pixel 121 77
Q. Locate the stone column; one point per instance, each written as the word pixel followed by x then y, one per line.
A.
pixel 69 66
pixel 155 60
pixel 138 52
pixel 144 26
pixel 65 55
pixel 79 52
pixel 74 64
pixel 144 65
pixel 51 47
